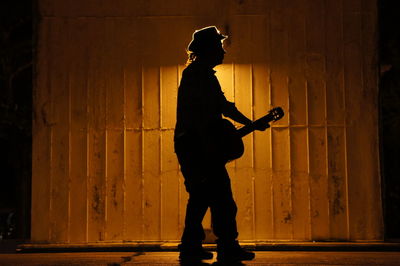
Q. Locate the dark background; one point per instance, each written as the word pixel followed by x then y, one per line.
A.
pixel 389 101
pixel 16 64
pixel 18 20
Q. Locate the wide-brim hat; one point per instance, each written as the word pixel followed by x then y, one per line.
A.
pixel 205 38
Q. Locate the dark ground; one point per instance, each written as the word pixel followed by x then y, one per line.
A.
pixel 171 258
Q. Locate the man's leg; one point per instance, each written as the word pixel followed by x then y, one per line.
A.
pixel 223 211
pixel 223 208
pixel 195 210
pixel 193 234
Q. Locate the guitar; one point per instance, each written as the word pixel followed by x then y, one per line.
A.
pixel 230 141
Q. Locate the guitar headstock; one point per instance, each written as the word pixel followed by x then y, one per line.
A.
pixel 262 123
pixel 276 113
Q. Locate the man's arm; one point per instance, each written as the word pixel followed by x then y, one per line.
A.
pixel 232 112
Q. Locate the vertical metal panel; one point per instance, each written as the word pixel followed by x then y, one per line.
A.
pixel 133 136
pixel 115 178
pixel 169 164
pixel 79 149
pixel 279 59
pixel 262 156
pixel 370 90
pixel 337 174
pixel 133 186
pixel 96 132
pixel 319 203
pixel 337 191
pixel 282 194
pixel 315 62
pixel 60 139
pixel 96 186
pixel 115 185
pixel 151 152
pixel 298 121
pixel 353 84
pixel 315 69
pixel 281 182
pixel 334 63
pixel 296 65
pixel 300 183
pixel 104 167
pixel 258 50
pixel 361 166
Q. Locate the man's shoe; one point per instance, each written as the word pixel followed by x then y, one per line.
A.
pixel 193 253
pixel 233 252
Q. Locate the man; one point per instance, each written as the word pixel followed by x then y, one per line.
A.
pixel 201 104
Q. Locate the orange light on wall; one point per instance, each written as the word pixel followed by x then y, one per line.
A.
pixel 104 169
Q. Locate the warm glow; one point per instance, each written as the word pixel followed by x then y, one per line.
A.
pixel 104 167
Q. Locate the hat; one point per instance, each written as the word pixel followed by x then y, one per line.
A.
pixel 205 38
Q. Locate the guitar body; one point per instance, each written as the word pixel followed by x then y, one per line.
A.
pixel 230 142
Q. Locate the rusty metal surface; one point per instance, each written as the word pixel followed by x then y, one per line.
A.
pixel 103 161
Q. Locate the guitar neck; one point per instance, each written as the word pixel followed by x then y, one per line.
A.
pixel 243 131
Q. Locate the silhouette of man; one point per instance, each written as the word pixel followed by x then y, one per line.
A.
pixel 201 104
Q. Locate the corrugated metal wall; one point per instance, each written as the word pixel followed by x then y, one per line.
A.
pixel 105 99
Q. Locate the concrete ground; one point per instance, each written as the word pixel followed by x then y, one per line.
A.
pixel 280 258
